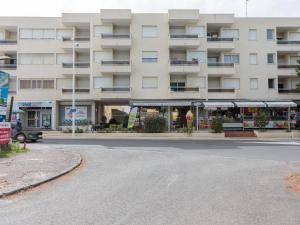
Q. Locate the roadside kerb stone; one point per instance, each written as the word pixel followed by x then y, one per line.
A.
pixel 34 168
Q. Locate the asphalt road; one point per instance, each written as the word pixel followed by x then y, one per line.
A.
pixel 156 182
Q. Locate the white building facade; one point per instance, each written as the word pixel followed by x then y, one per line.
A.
pixel 177 59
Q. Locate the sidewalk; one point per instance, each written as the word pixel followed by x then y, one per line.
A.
pixel 274 134
pixel 34 168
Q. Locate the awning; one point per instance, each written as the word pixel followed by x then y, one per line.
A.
pixel 250 104
pixel 29 104
pixel 281 104
pixel 208 105
pixel 165 103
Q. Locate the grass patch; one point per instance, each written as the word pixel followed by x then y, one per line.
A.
pixel 12 150
pixel 294 182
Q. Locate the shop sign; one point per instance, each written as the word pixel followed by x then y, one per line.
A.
pixel 272 124
pixel 37 104
pixel 4 78
pixel 132 117
pixel 4 133
pixel 80 113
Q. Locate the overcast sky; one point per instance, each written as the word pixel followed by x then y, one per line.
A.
pixel 260 8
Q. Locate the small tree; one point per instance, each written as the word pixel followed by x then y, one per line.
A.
pixel 262 120
pixel 217 124
pixel 155 124
pixel 298 73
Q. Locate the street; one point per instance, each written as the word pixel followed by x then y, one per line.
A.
pixel 160 182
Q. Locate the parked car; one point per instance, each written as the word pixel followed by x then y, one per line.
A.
pixel 21 135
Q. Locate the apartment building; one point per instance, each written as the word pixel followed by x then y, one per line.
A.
pixel 171 62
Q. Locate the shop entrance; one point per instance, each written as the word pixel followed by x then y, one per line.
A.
pixel 39 119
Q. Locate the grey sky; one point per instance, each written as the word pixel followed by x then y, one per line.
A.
pixel 261 8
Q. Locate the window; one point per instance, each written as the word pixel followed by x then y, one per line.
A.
pixel 150 82
pixel 253 83
pixel 121 81
pixel 294 36
pixel 270 34
pixel 177 83
pixel 232 58
pixel 200 56
pixel 36 59
pixel 231 83
pixel 253 59
pixel 103 56
pixel 230 33
pixel 198 30
pixel 36 84
pixel 149 56
pixel 149 31
pixel 99 30
pixel 271 57
pixel 64 34
pixel 37 33
pixel 252 35
pixel 64 58
pixel 271 83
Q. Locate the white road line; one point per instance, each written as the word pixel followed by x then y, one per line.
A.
pixel 275 142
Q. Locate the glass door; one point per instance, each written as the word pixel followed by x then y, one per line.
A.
pixel 46 121
pixel 33 120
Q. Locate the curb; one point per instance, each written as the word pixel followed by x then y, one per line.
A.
pixel 27 187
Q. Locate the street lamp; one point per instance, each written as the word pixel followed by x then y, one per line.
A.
pixel 73 89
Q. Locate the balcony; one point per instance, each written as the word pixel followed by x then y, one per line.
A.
pixel 122 41
pixel 288 91
pixel 288 46
pixel 184 40
pixel 218 43
pixel 223 19
pixel 115 66
pixel 8 66
pixel 222 93
pixel 76 64
pixel 219 68
pixel 8 42
pixel 77 90
pixel 287 70
pixel 183 16
pixel 8 45
pixel 82 42
pixel 113 93
pixel 184 89
pixel 80 68
pixel 184 66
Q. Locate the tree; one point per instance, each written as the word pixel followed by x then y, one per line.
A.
pixel 298 73
pixel 262 120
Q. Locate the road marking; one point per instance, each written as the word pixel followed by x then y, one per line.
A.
pixel 275 142
pixel 171 180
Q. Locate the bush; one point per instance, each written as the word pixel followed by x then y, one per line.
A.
pixel 217 124
pixel 262 120
pixel 155 124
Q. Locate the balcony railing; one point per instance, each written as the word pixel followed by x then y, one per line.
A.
pixel 220 64
pixel 77 90
pixel 214 39
pixel 115 36
pixel 115 89
pixel 288 91
pixel 8 66
pixel 287 42
pixel 223 90
pixel 8 42
pixel 184 89
pixel 183 36
pixel 116 62
pixel 177 62
pixel 77 65
pixel 286 66
pixel 82 38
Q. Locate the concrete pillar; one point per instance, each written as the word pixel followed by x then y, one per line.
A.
pixel 93 112
pixel 289 118
pixel 169 118
pixel 54 116
pixel 197 117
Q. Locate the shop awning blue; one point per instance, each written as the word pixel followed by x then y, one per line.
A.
pixel 281 104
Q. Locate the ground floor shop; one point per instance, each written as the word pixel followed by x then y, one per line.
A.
pixel 239 115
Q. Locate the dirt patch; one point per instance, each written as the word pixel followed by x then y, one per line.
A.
pixel 293 180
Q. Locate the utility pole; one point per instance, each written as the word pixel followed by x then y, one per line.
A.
pixel 247 8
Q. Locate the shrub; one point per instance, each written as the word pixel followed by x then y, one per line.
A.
pixel 261 120
pixel 217 124
pixel 155 124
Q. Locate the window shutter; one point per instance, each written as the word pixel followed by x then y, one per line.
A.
pixel 294 36
pixel 149 82
pixel 98 30
pixel 199 30
pixel 26 33
pixel 253 83
pixel 37 34
pixel 25 59
pixel 49 33
pixel 149 31
pixel 231 83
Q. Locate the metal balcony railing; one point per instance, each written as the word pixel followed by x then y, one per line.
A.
pixel 77 65
pixel 115 62
pixel 223 90
pixel 115 89
pixel 287 42
pixel 184 89
pixel 220 64
pixel 8 66
pixel 288 91
pixel 77 90
pixel 177 62
pixel 215 39
pixel 184 36
pixel 115 36
pixel 82 38
pixel 10 42
pixel 287 66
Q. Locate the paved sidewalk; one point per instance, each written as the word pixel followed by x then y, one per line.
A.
pixel 34 168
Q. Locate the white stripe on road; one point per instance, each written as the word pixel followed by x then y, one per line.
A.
pixel 275 142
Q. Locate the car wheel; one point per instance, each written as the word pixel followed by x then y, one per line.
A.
pixel 21 138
